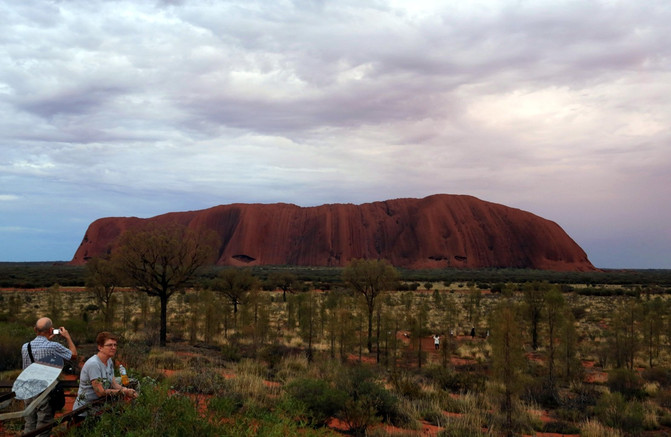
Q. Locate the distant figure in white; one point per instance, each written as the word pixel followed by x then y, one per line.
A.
pixel 436 341
pixel 41 347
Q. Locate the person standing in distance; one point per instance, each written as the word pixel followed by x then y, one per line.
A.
pixel 96 379
pixel 42 346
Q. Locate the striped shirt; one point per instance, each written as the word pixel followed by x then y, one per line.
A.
pixel 42 347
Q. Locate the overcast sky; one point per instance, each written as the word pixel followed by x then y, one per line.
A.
pixel 138 108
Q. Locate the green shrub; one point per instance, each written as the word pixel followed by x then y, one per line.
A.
pixel 614 410
pixel 560 427
pixel 225 404
pixel 12 337
pixel 467 426
pixel 457 382
pixel 163 359
pixel 664 398
pixel 231 352
pixel 320 399
pixel 665 420
pixel 660 375
pixel 368 401
pixel 154 413
pixel 627 382
pixel 575 407
pixel 273 355
pixel 542 392
pixel 406 385
pixel 434 417
pixel 593 428
pixel 204 381
pixel 81 331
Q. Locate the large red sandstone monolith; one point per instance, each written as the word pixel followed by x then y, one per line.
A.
pixel 434 232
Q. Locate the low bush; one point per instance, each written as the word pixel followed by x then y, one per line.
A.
pixel 614 410
pixel 457 382
pixel 560 427
pixel 368 401
pixel 321 400
pixel 12 337
pixel 407 386
pixel 292 367
pixel 434 417
pixel 203 381
pixel 627 382
pixel 660 375
pixel 163 359
pixel 155 412
pixel 81 330
pixel 664 398
pixel 542 392
pixel 594 428
pixel 225 404
pixel 468 425
pixel 231 352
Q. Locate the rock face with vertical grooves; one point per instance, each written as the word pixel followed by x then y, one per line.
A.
pixel 438 231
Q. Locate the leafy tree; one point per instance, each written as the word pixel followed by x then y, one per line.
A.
pixel 554 303
pixel 437 298
pixel 472 305
pixel 448 321
pixel 54 303
pixel 534 300
pixel 322 400
pixel 161 259
pixel 418 328
pixel 653 327
pixel 507 357
pixel 346 331
pixel 256 317
pixel 307 313
pixel 331 305
pixel 210 314
pixel 568 341
pixel 234 283
pixel 624 338
pixel 103 276
pixel 285 281
pixel 370 278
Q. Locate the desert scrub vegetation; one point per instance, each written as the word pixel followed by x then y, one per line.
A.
pixel 297 361
pixel 160 412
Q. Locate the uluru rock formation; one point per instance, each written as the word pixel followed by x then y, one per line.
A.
pixel 438 231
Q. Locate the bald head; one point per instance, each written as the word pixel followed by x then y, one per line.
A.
pixel 43 325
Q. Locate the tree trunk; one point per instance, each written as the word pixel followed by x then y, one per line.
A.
pixel 377 339
pixel 534 334
pixel 164 319
pixel 370 327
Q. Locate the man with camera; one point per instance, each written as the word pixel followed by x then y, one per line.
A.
pixel 40 347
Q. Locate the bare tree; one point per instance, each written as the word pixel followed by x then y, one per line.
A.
pixel 161 259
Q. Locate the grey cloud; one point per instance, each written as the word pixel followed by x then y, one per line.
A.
pixel 167 105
